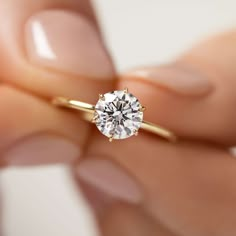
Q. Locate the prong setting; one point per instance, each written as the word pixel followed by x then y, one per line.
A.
pixel 126 90
pixel 119 114
pixel 95 117
pixel 136 132
pixel 101 97
pixel 94 120
pixel 142 108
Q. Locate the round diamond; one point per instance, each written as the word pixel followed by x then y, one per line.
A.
pixel 118 114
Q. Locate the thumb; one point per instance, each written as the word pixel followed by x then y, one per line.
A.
pixel 195 95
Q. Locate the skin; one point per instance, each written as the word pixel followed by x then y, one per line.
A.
pixel 178 200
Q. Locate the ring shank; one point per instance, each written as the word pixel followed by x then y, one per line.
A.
pixel 148 126
pixel 89 109
pixel 81 106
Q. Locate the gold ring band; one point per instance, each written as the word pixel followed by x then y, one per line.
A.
pixel 89 114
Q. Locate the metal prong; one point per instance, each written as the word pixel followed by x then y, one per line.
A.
pixel 143 108
pixel 126 90
pixel 94 120
pixel 95 117
pixel 136 132
pixel 111 139
pixel 101 96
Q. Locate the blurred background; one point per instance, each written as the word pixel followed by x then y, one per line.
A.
pixel 43 201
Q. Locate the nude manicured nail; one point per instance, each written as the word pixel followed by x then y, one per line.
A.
pixel 181 80
pixel 110 179
pixel 42 149
pixel 67 42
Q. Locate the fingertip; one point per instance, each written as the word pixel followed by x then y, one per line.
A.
pixel 179 78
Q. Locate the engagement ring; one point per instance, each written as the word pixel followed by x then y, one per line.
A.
pixel 117 115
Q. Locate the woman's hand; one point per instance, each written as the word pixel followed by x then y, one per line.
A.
pixel 142 185
pixel 145 186
pixel 48 48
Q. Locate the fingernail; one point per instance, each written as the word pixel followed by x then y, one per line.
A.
pixel 97 200
pixel 110 179
pixel 179 79
pixel 67 42
pixel 42 149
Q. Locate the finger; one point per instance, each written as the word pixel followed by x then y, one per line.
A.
pixel 194 96
pixel 182 185
pixel 32 132
pixel 116 218
pixel 53 48
pixel 188 187
pixel 43 59
pixel 126 220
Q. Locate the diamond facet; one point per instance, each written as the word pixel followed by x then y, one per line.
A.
pixel 119 114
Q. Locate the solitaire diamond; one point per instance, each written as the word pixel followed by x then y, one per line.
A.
pixel 118 114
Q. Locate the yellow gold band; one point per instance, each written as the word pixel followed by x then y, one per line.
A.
pixel 89 110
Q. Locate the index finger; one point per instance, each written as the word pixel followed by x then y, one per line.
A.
pixel 53 48
pixel 48 48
